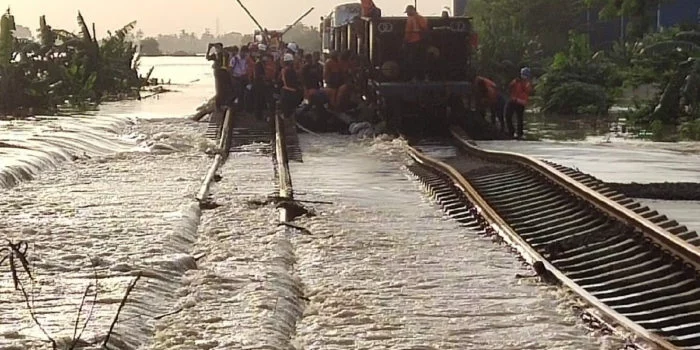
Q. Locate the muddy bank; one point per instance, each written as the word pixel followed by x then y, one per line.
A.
pixel 112 216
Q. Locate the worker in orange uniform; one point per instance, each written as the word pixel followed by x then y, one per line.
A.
pixel 265 79
pixel 291 94
pixel 369 9
pixel 414 35
pixel 520 89
pixel 488 97
pixel 333 76
pixel 343 95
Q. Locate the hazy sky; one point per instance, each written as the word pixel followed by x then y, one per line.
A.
pixel 161 16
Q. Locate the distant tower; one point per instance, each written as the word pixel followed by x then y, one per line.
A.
pixel 217 26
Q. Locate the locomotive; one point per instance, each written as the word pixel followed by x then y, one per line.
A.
pixel 407 105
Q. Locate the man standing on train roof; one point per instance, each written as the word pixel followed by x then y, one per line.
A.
pixel 414 35
pixel 520 89
pixel 369 9
pixel 488 97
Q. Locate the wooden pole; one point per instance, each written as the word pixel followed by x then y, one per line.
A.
pixel 251 16
pixel 297 21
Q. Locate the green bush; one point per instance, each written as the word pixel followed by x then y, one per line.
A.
pixel 63 66
pixel 578 80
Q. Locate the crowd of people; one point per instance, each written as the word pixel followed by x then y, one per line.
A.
pixel 258 76
pixel 262 74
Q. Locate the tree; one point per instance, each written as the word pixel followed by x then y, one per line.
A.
pixel 23 32
pixel 307 37
pixel 150 47
pixel 638 12
pixel 513 33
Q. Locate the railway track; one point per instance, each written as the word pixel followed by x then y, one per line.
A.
pixel 636 268
pixel 246 132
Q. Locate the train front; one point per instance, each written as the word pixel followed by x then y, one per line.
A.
pixel 427 94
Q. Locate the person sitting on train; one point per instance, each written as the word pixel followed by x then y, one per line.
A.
pixel 520 89
pixel 333 76
pixel 291 94
pixel 489 97
pixel 414 46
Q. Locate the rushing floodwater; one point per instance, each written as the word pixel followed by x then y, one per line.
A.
pixel 380 268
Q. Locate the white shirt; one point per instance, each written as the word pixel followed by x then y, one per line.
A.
pixel 239 66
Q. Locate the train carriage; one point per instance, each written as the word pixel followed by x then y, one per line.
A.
pixel 404 104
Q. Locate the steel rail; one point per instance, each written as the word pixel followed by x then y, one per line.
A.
pixel 666 239
pixel 509 234
pixel 282 163
pixel 220 158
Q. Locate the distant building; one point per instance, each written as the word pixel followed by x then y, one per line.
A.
pixel 604 32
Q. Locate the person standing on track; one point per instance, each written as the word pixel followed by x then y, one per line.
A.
pixel 239 73
pixel 414 36
pixel 262 84
pixel 488 97
pixel 520 89
pixel 291 93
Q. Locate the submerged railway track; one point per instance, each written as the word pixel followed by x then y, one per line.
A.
pixel 636 268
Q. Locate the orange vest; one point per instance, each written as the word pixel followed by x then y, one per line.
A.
pixel 271 70
pixel 415 26
pixel 520 91
pixel 491 89
pixel 250 67
pixel 367 6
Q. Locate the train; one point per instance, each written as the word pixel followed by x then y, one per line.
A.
pixel 404 104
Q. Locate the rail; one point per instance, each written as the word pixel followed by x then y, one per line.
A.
pixel 220 158
pixel 656 233
pixel 282 163
pixel 668 241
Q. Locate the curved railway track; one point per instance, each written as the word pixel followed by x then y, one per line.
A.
pixel 635 267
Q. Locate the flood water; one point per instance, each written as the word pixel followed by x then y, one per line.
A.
pixel 382 267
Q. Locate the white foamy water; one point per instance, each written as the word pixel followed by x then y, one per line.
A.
pixel 27 147
pixel 111 217
pixel 240 291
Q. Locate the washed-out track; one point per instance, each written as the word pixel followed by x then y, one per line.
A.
pixel 635 267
